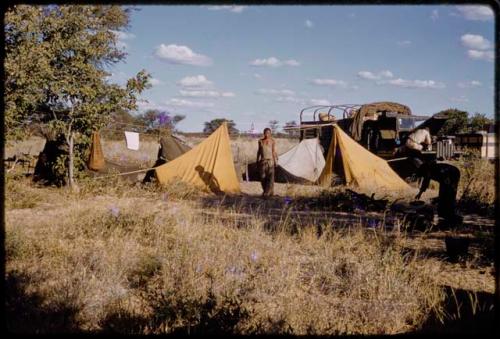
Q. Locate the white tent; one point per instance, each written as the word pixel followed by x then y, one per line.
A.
pixel 305 160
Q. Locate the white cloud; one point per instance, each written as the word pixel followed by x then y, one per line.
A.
pixel 435 15
pixel 404 43
pixel 234 9
pixel 329 82
pixel 257 76
pixel 205 94
pixel 177 54
pixel 309 24
pixel 319 102
pixel 413 83
pixel 481 55
pixel 195 81
pixel 155 82
pixel 461 99
pixel 469 84
pixel 291 62
pixel 477 13
pixel 473 41
pixel 187 103
pixel 291 99
pixel 274 62
pixel 372 76
pixel 143 105
pixel 270 91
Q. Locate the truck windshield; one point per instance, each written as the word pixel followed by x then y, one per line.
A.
pixel 406 123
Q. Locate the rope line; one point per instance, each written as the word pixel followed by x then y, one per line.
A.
pixel 125 173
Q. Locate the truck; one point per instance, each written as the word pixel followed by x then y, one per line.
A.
pixel 381 127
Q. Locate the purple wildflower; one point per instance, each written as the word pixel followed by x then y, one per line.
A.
pixel 254 256
pixel 287 200
pixel 115 211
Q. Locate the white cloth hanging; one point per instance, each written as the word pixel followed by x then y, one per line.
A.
pixel 132 139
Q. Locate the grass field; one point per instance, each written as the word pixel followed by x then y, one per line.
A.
pixel 120 257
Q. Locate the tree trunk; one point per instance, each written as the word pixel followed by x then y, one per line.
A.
pixel 71 179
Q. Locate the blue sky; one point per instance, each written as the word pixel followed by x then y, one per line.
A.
pixel 253 64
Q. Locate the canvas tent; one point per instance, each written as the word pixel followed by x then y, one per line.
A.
pixel 357 165
pixel 301 164
pixel 209 165
pixel 305 160
pixel 174 147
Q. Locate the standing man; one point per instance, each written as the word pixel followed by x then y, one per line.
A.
pixel 448 177
pixel 267 160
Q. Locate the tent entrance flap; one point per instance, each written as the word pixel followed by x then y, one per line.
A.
pixel 360 167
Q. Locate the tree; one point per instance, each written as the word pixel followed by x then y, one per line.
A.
pixel 56 62
pixel 273 125
pixel 456 123
pixel 479 122
pixel 155 119
pixel 212 125
pixel 291 132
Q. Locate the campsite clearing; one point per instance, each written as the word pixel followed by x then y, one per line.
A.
pixel 131 257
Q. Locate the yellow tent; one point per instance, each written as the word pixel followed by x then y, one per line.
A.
pixel 208 166
pixel 360 167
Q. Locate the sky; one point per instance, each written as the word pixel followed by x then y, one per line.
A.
pixel 253 64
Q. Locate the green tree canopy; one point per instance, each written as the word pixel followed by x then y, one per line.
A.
pixel 479 122
pixel 456 123
pixel 155 119
pixel 56 65
pixel 212 125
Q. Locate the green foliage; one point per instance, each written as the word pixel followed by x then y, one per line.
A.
pixel 460 122
pixel 212 125
pixel 155 119
pixel 457 122
pixel 56 62
pixel 479 122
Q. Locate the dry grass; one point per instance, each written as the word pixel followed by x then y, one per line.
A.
pixel 126 258
pixel 477 190
pixel 134 263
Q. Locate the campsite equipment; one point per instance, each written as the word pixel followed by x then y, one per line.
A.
pixel 358 166
pixel 302 164
pixel 305 160
pixel 208 166
pixel 380 127
pixel 172 147
pixel 484 142
pixel 96 160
